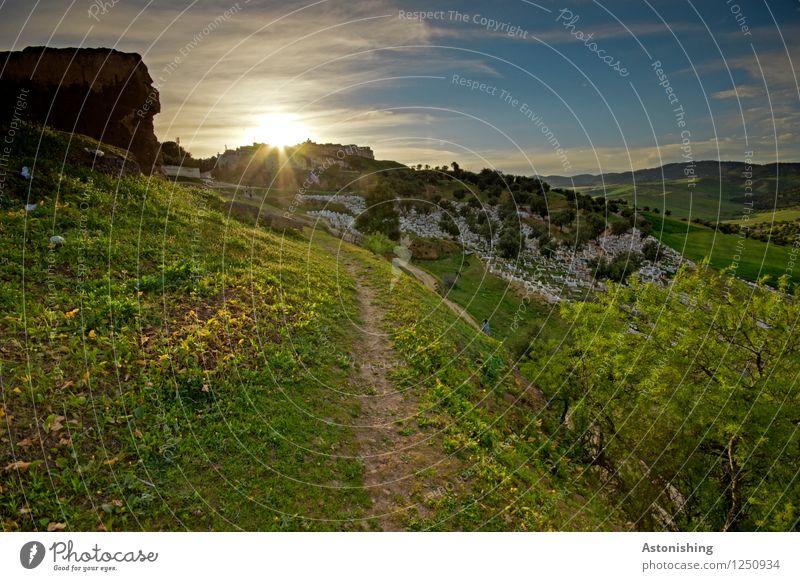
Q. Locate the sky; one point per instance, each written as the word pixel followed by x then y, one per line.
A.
pixel 546 87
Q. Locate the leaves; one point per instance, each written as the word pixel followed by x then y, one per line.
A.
pixel 53 423
pixel 19 466
pixel 698 369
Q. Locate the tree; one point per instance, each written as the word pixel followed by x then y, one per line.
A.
pixel 547 246
pixel 618 268
pixel 510 243
pixel 686 397
pixel 460 194
pixel 538 205
pixel 448 225
pixel 620 227
pixel 562 218
pixel 381 215
pixel 651 250
pixel 594 225
pixel 173 154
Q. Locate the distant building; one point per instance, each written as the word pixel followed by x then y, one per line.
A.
pixel 336 150
pixel 305 156
pixel 181 171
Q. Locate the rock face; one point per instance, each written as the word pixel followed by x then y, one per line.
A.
pixel 100 92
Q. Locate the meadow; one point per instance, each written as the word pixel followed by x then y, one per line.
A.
pixel 784 215
pixel 747 258
pixel 708 199
pixel 514 317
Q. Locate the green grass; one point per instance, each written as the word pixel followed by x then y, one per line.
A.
pixel 752 259
pixel 706 200
pixel 784 215
pixel 168 368
pixel 512 318
pixel 514 476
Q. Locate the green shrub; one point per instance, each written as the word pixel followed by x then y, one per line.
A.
pixel 379 243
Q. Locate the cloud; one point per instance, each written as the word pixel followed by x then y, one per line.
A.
pixel 741 92
pixel 556 34
pixel 219 65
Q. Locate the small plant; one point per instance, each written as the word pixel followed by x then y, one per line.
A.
pixel 379 244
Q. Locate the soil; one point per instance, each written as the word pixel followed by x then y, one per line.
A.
pixel 403 464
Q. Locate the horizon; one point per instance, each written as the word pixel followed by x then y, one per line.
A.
pixel 534 88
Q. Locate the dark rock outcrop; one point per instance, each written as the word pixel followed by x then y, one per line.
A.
pixel 100 92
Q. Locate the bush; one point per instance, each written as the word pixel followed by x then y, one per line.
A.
pixel 619 268
pixel 381 215
pixel 547 246
pixel 621 227
pixel 448 225
pixel 379 243
pixel 449 281
pixel 510 243
pixel 651 251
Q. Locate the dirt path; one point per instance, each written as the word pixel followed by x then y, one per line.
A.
pixel 403 465
pixel 430 282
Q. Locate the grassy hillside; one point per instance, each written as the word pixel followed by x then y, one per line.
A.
pixel 785 215
pixel 706 200
pixel 170 368
pixel 514 476
pixel 755 259
pixel 150 380
pixel 513 318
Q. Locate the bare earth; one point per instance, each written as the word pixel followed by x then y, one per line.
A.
pixel 403 465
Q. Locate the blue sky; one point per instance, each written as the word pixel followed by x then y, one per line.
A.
pixel 365 72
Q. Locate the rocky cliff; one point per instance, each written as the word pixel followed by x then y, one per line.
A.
pixel 100 92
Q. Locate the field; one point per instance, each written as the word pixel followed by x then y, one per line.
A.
pixel 784 215
pixel 755 258
pixel 706 200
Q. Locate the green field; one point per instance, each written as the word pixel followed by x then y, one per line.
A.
pixel 706 200
pixel 784 215
pixel 755 258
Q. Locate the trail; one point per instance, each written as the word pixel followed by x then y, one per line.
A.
pixel 532 395
pixel 430 283
pixel 403 465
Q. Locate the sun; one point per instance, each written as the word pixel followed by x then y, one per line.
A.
pixel 281 129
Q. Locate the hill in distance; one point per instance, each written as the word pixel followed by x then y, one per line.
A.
pixel 714 170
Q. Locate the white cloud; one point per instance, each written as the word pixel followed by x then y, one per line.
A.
pixel 741 92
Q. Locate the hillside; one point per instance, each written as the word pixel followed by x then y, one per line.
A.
pixel 168 367
pixel 717 191
pixel 715 170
